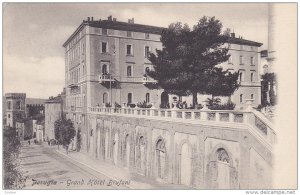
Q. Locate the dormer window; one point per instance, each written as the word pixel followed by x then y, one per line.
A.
pixel 104 31
pixel 147 36
pixel 129 34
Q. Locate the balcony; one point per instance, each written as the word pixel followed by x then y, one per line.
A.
pixel 106 78
pixel 149 82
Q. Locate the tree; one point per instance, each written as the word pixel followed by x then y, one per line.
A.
pixel 187 63
pixel 64 132
pixel 13 178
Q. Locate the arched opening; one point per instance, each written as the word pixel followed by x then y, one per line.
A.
pixel 105 98
pixel 185 165
pixel 127 150
pixel 115 148
pixel 164 98
pixel 160 158
pixel 129 98
pixel 223 169
pixel 141 154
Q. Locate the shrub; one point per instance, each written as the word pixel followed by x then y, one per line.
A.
pixel 226 106
pixel 131 105
pixel 144 105
pixel 117 105
pixel 164 106
pixel 107 105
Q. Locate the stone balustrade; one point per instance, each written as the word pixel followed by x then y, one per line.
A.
pixel 252 118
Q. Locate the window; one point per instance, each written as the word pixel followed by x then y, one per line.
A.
pixel 252 60
pixel 147 69
pixel 129 98
pixel 252 96
pixel 104 69
pixel 129 50
pixel 241 98
pixel 230 60
pixel 129 71
pixel 147 97
pixel 241 47
pixel 82 48
pixel 129 34
pixel 241 76
pixel 241 60
pixel 18 106
pixel 8 116
pixel 104 47
pixel 252 48
pixel 147 51
pixel 252 76
pixel 147 36
pixel 105 98
pixel 8 105
pixel 104 31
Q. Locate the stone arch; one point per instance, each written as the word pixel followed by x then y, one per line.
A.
pixel 221 173
pixel 141 153
pixel 127 148
pixel 115 143
pixel 185 163
pixel 160 157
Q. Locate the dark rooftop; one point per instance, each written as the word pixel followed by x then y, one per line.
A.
pixel 112 23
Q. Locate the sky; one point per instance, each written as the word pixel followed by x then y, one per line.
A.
pixel 33 34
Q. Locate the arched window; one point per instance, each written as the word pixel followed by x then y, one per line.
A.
pixel 223 169
pixel 252 96
pixel 241 98
pixel 252 76
pixel 241 60
pixel 160 158
pixel 105 98
pixel 129 98
pixel 222 155
pixel 147 97
pixel 104 69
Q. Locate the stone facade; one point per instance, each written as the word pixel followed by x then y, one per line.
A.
pixel 53 111
pixel 195 155
pixel 15 107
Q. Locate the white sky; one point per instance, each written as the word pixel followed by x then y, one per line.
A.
pixel 33 34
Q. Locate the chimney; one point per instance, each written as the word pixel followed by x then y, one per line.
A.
pixel 131 21
pixel 92 18
pixel 88 19
pixel 114 19
pixel 232 35
pixel 109 18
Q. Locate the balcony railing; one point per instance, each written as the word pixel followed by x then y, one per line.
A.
pixel 253 119
pixel 148 80
pixel 106 78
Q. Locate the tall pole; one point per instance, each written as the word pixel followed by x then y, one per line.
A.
pixel 110 89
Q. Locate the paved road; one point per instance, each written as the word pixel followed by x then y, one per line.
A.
pixel 47 169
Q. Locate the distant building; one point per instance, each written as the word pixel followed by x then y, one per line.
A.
pixel 54 108
pixel 15 108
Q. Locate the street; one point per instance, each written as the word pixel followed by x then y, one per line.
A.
pixel 47 169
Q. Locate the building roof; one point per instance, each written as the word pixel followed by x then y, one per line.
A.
pixel 116 25
pixel 34 101
pixel 241 41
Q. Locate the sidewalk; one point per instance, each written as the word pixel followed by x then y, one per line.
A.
pixel 116 173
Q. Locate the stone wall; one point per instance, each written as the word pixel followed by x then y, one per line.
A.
pixel 195 155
